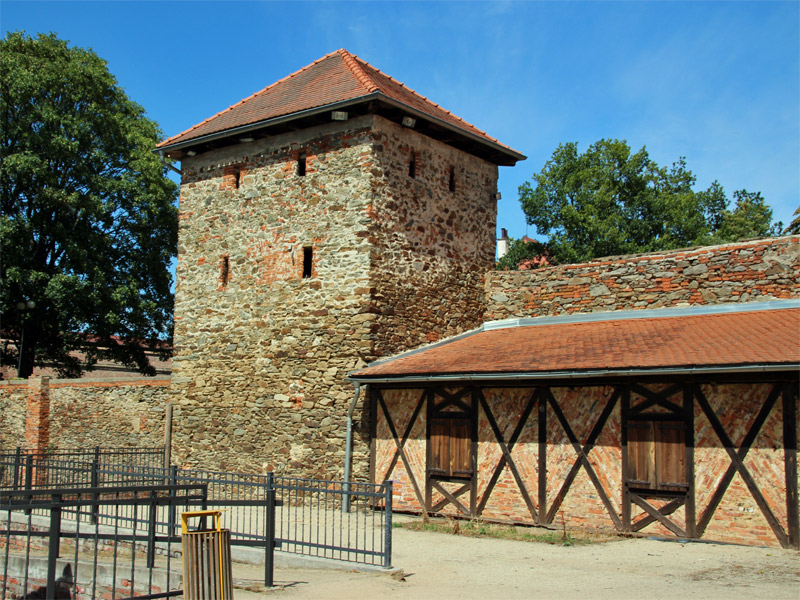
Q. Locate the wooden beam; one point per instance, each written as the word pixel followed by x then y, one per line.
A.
pixel 583 458
pixel 541 401
pixel 691 510
pixel 407 465
pixel 626 494
pixel 658 515
pixel 450 498
pixel 790 462
pixel 737 459
pixel 507 454
pixel 406 435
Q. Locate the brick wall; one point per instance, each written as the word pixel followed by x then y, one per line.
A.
pixel 752 271
pixel 737 519
pixel 80 414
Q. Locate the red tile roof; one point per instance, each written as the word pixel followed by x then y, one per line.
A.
pixel 336 77
pixel 758 337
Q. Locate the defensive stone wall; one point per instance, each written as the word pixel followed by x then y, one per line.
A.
pixel 751 271
pixel 69 414
pixel 302 257
pixel 432 236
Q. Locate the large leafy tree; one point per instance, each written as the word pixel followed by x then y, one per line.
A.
pixel 610 200
pixel 89 223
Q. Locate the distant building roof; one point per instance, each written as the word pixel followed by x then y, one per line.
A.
pixel 337 81
pixel 723 338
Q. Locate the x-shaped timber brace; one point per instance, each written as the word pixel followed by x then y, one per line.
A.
pixel 468 399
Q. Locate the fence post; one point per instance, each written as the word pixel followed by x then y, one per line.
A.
pixel 53 544
pixel 172 479
pixel 269 532
pixel 151 534
pixel 28 471
pixel 387 544
pixel 94 478
pixel 17 467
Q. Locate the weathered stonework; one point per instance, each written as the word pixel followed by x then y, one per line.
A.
pixel 81 414
pixel 754 271
pixel 262 352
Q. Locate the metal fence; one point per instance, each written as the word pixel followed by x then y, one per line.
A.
pixel 128 553
pixel 327 519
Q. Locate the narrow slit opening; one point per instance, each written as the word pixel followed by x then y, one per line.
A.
pixel 237 177
pixel 452 183
pixel 301 164
pixel 224 271
pixel 308 261
pixel 412 166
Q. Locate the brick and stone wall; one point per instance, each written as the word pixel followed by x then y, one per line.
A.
pixel 753 271
pixel 737 518
pixel 262 352
pixel 80 414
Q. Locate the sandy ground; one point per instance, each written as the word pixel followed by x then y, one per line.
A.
pixel 442 566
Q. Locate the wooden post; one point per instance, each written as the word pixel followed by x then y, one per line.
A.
pixel 689 507
pixel 790 461
pixel 541 400
pixel 168 436
pixel 626 495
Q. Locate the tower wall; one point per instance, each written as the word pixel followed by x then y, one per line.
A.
pixel 261 351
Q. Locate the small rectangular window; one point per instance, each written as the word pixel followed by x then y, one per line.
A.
pixel 412 166
pixel 308 261
pixel 224 269
pixel 452 183
pixel 301 164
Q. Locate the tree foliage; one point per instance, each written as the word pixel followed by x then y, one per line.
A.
pixel 89 223
pixel 610 200
pixel 523 254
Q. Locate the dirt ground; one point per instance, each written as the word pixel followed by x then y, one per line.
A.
pixel 442 566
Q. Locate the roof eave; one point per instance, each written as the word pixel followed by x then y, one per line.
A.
pixel 577 374
pixel 511 154
pixel 217 135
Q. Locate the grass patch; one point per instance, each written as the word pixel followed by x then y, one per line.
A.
pixel 479 528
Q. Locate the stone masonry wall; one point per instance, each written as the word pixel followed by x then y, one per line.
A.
pixel 262 352
pixel 433 242
pixel 84 414
pixel 752 271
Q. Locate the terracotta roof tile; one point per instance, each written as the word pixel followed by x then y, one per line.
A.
pixel 336 77
pixel 709 340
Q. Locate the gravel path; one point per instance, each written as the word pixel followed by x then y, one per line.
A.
pixel 442 566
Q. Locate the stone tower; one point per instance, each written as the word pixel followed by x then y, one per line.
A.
pixel 332 218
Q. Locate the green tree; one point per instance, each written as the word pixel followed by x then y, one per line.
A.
pixel 610 200
pixel 89 224
pixel 523 251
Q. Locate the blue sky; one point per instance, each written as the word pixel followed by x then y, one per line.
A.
pixel 716 82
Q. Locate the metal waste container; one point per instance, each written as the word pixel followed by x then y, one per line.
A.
pixel 206 558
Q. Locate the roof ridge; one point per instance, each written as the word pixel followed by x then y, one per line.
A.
pixel 426 99
pixel 250 97
pixel 352 63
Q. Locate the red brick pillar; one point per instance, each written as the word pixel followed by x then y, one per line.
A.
pixel 37 421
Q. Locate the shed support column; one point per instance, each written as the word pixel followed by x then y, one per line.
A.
pixel 626 496
pixel 790 461
pixel 689 507
pixel 542 434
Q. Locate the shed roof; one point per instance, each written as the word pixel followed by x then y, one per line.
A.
pixel 755 337
pixel 334 81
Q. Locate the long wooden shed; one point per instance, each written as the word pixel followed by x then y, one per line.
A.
pixel 676 422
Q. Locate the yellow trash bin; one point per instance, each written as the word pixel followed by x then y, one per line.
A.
pixel 206 559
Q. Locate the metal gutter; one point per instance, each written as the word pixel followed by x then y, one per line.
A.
pixel 595 373
pixel 652 313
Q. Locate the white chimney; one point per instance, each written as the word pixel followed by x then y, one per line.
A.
pixel 502 243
